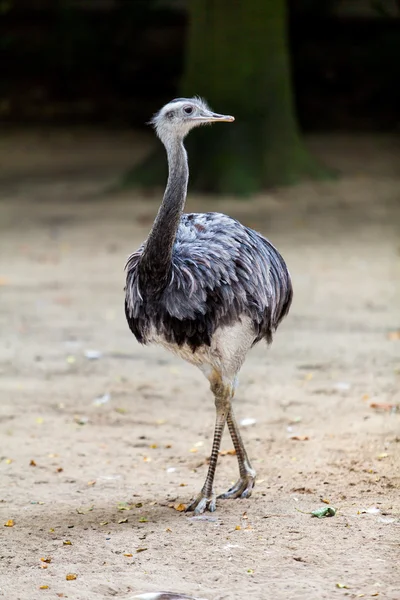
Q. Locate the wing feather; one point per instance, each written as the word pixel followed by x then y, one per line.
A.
pixel 220 270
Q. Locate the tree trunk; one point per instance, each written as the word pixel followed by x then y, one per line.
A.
pixel 238 60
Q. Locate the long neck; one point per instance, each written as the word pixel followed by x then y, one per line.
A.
pixel 157 255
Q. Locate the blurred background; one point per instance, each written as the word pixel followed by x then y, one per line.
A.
pixel 283 68
pixel 114 62
pixel 313 162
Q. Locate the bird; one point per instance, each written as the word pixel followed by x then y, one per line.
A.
pixel 206 288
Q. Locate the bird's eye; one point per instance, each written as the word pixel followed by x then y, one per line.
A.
pixel 188 110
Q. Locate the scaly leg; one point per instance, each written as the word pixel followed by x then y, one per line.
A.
pixel 206 499
pixel 244 486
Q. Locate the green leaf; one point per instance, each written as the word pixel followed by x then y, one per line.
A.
pixel 326 511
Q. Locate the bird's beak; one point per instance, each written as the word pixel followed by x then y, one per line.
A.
pixel 210 117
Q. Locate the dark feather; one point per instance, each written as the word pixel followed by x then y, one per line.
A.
pixel 220 270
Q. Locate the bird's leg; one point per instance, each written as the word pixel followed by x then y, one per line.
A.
pixel 206 499
pixel 244 485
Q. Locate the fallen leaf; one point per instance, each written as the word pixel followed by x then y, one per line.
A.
pixel 46 559
pixel 386 406
pixel 128 554
pixel 143 520
pixel 104 523
pixel 225 452
pixel 122 521
pixel 394 335
pixel 342 586
pixel 9 523
pixel 382 455
pixel 250 571
pixel 238 528
pixel 84 511
pixel 325 500
pixel 32 463
pixel 326 511
pixel 193 450
pixel 153 446
pixel 43 566
pixel 91 482
pixel 67 543
pixel 43 587
pixel 60 470
pixel 299 438
pixel 168 530
pixel 180 507
pixel 141 550
pixel 71 576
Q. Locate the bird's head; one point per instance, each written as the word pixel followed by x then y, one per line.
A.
pixel 179 116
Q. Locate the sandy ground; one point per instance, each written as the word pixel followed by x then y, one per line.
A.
pixel 97 455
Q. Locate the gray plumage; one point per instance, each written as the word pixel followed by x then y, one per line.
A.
pixel 220 270
pixel 205 286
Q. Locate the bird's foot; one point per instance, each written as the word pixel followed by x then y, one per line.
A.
pixel 242 488
pixel 202 503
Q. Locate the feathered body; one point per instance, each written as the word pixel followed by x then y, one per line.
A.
pixel 221 272
pixel 205 287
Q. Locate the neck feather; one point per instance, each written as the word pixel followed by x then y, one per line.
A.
pixel 157 254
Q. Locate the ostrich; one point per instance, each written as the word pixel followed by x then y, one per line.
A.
pixel 205 287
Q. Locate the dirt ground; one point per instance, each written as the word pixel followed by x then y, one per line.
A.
pixel 97 454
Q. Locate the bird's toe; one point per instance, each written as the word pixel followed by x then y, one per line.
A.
pixel 242 488
pixel 202 503
pixel 247 491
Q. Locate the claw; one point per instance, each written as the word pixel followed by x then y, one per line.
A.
pixel 202 503
pixel 242 488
